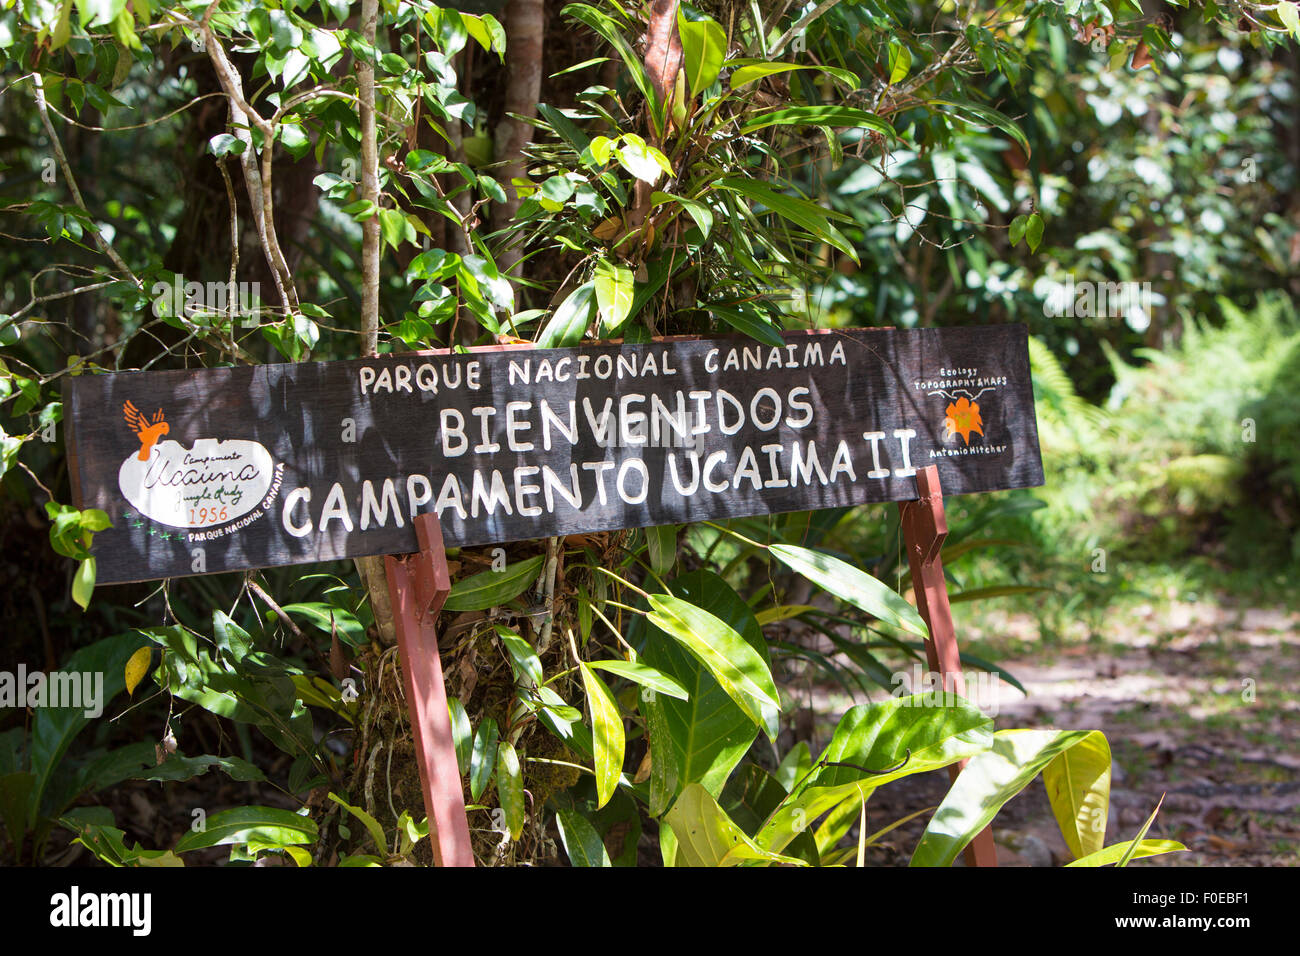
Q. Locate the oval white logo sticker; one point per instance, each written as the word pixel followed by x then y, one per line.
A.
pixel 209 484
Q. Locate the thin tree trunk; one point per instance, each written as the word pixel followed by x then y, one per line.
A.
pixel 369 188
pixel 525 28
pixel 373 576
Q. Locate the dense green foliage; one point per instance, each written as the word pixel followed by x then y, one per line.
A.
pixel 839 164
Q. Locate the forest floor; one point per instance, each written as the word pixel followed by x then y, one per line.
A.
pixel 1200 701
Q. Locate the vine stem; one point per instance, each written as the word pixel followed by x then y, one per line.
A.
pixel 61 157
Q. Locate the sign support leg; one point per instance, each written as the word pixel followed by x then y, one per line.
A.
pixel 925 526
pixel 418 585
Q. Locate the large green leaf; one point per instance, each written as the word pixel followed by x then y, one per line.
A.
pixel 663 754
pixel 266 825
pixel 510 789
pixel 704 47
pixel 1078 787
pixel 751 322
pixel 331 620
pixel 736 666
pixel 701 739
pixel 483 756
pixel 901 735
pixel 752 795
pixel 986 783
pixel 852 585
pixel 706 836
pixel 661 547
pixel 487 589
pixel 614 285
pixel 570 320
pixel 645 676
pixel 607 730
pixel 581 841
pixel 53 728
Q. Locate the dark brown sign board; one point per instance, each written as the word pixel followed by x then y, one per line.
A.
pixel 221 469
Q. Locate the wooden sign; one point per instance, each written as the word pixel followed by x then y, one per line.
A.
pixel 221 469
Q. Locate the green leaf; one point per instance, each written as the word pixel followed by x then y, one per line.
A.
pixel 614 287
pixel 612 32
pixel 819 116
pixel 1017 230
pixel 1078 787
pixel 461 733
pixel 698 211
pixel 901 735
pixel 736 666
pixel 699 740
pixel 642 160
pixel 178 767
pixel 607 728
pixel 54 728
pixel 371 824
pixel 974 113
pixel 99 12
pixel 704 47
pixel 900 61
pixel 16 803
pixel 523 658
pixel 1034 232
pixel 808 216
pixel 664 773
pixel 232 640
pixel 1132 849
pixel 489 589
pixel 395 227
pixel 1117 851
pixel 510 789
pixel 483 760
pixel 852 585
pixel 223 144
pixel 581 841
pixel 1290 17
pixel 661 545
pixel 706 836
pixel 487 30
pixel 570 320
pixel 83 583
pixel 749 322
pixel 331 620
pixel 750 71
pixel 645 676
pixel 268 825
pixel 986 783
pixel 285 34
pixel 564 127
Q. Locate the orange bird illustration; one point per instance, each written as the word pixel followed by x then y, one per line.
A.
pixel 148 432
pixel 963 418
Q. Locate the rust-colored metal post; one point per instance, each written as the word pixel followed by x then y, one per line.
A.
pixel 925 526
pixel 418 585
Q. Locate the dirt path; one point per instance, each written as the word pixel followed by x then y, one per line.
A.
pixel 1200 702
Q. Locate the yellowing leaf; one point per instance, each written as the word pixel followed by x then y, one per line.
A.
pixel 136 668
pixel 607 731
